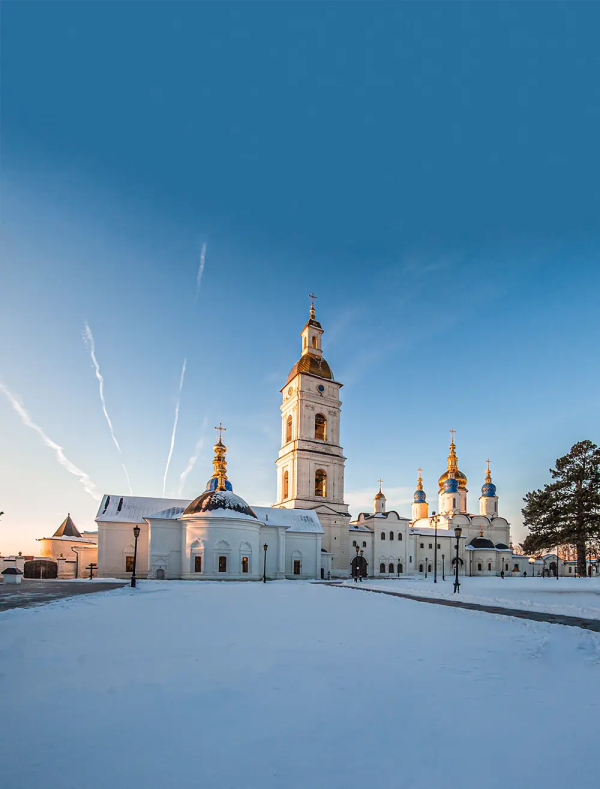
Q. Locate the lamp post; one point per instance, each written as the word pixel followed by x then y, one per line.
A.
pixel 557 561
pixel 443 572
pixel 457 532
pixel 136 534
pixel 426 560
pixel 265 546
pixel 435 524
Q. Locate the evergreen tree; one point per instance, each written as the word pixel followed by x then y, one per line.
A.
pixel 567 511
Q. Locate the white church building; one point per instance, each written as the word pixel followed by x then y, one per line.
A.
pixel 308 533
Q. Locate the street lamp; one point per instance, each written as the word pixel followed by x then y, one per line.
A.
pixel 136 534
pixel 265 546
pixel 557 561
pixel 435 524
pixel 457 532
pixel 426 560
pixel 443 572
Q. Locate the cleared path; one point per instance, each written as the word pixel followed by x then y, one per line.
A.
pixel 30 592
pixel 536 616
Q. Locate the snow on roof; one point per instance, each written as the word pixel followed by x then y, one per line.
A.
pixel 426 532
pixel 133 509
pixel 172 513
pixel 68 539
pixel 292 520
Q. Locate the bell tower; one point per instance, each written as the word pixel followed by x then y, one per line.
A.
pixel 310 465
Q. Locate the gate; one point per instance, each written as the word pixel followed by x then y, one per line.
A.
pixel 40 568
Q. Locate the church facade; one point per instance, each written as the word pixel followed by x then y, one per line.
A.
pixel 308 533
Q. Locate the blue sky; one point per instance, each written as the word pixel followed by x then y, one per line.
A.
pixel 429 170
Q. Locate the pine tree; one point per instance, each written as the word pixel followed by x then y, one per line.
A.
pixel 567 511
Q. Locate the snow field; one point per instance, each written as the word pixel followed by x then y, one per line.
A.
pixel 290 684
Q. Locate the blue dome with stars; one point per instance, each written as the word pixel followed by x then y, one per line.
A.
pixel 420 497
pixel 451 485
pixel 488 489
pixel 213 484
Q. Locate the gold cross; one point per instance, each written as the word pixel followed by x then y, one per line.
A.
pixel 420 470
pixel 452 432
pixel 312 298
pixel 488 464
pixel 220 429
pixel 380 482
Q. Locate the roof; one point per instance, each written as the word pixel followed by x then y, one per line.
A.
pixel 220 504
pixel 67 528
pixel 296 520
pixel 133 509
pixel 426 532
pixel 12 571
pixel 312 364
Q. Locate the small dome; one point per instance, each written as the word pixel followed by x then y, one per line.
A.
pixel 212 500
pixel 313 365
pixel 379 495
pixel 461 478
pixel 420 497
pixel 481 542
pixel 502 546
pixel 213 484
pixel 488 489
pixel 451 485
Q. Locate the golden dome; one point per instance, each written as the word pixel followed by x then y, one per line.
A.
pixel 313 365
pixel 452 469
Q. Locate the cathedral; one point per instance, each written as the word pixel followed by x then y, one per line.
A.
pixel 309 532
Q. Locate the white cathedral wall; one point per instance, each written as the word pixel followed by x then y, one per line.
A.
pixel 165 547
pixel 211 537
pixel 115 543
pixel 306 548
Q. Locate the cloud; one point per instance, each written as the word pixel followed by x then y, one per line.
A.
pixel 192 460
pixel 61 458
pixel 88 339
pixel 174 426
pixel 200 272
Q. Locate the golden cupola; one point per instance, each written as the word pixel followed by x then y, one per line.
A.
pixel 452 470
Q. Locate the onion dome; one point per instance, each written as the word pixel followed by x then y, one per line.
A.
pixel 481 542
pixel 453 467
pixel 380 494
pixel 313 365
pixel 501 546
pixel 420 497
pixel 488 488
pixel 219 493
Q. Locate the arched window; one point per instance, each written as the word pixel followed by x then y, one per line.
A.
pixel 354 543
pixel 489 566
pixel 429 568
pixel 382 567
pixel 364 544
pixel 479 567
pixel 286 484
pixel 244 564
pixel 197 564
pixel 391 568
pixel 320 427
pixel 320 483
pixel 400 568
pixel 222 564
pixel 315 342
pixel 399 536
pixel 288 429
pixel 420 568
pixel 391 535
pixel 383 535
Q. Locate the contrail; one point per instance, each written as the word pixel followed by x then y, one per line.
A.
pixel 200 272
pixel 88 339
pixel 64 461
pixel 192 461
pixel 174 426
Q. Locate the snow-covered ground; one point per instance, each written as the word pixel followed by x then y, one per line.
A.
pixel 570 596
pixel 291 685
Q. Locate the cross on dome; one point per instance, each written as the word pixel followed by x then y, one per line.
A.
pixel 312 298
pixel 452 432
pixel 220 429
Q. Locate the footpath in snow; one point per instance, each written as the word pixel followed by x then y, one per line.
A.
pixel 290 686
pixel 569 596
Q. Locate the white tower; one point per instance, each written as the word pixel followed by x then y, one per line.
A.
pixel 310 465
pixel 450 499
pixel 420 506
pixel 488 501
pixel 380 500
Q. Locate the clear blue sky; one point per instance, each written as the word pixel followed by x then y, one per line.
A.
pixel 430 170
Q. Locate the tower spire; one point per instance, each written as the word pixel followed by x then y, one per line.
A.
pixel 488 473
pixel 312 298
pixel 420 479
pixel 219 462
